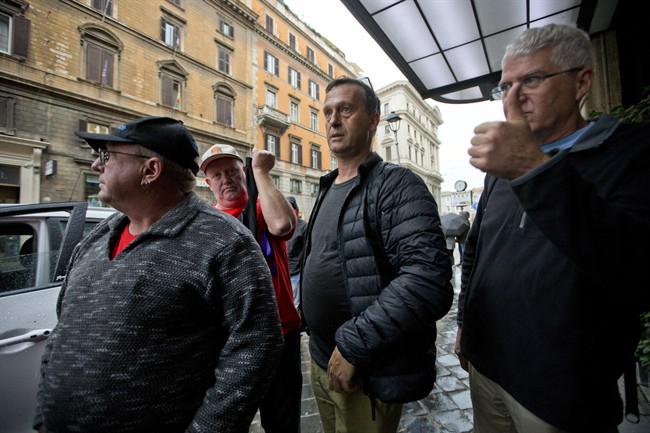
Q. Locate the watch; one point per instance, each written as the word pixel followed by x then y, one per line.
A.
pixel 460 185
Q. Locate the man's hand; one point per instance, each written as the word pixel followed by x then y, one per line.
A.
pixel 463 361
pixel 340 374
pixel 263 161
pixel 506 149
pixel 278 213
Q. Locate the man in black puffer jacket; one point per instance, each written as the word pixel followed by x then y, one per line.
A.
pixel 375 276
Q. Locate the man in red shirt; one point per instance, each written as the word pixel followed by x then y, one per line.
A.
pixel 276 222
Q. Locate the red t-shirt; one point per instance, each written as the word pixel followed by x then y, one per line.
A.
pixel 278 264
pixel 125 239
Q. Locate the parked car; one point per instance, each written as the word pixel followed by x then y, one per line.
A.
pixel 36 242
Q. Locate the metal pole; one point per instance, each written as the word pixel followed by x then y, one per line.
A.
pixel 397 147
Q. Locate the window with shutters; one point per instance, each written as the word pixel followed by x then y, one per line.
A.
pixel 172 85
pixel 330 70
pixel 227 29
pixel 316 157
pixel 313 120
pixel 14 31
pixel 293 42
pixel 225 100
pixel 294 78
pixel 311 56
pixel 269 24
pixel 99 64
pixel 271 63
pixel 224 55
pixel 170 33
pixel 5 31
pixel 271 98
pixel 272 144
pixel 104 6
pixel 294 111
pixel 7 108
pixel 314 89
pixel 100 51
pixel 296 150
pixel 172 92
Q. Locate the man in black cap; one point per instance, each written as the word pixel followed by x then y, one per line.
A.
pixel 167 317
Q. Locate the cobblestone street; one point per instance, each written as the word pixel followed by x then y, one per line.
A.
pixel 448 408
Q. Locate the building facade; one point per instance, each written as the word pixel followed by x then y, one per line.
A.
pixel 415 144
pixel 292 65
pixel 91 65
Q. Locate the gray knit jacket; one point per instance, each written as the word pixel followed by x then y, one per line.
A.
pixel 179 333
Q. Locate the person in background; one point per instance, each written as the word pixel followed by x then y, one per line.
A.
pixel 295 247
pixel 376 276
pixel 547 320
pixel 167 306
pixel 461 239
pixel 276 222
pixel 450 243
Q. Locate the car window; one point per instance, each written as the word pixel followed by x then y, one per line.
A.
pixel 36 243
pixel 18 257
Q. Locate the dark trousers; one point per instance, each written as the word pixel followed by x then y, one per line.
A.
pixel 280 409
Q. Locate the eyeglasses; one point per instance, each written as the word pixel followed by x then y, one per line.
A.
pixel 105 155
pixel 528 82
pixel 366 81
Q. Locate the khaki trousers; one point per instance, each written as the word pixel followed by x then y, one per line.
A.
pixel 351 413
pixel 496 411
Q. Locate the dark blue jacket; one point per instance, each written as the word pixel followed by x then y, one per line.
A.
pixel 391 337
pixel 553 274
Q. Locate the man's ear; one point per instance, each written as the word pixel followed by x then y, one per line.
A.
pixel 374 121
pixel 584 81
pixel 152 169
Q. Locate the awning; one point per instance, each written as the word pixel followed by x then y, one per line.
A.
pixel 451 50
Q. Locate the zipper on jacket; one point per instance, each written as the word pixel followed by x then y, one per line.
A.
pixel 523 219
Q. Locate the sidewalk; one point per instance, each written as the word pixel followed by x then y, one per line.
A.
pixel 448 409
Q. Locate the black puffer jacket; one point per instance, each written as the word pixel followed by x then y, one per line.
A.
pixel 391 337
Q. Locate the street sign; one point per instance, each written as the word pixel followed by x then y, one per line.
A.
pixel 463 198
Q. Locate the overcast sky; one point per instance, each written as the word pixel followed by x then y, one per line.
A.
pixel 332 20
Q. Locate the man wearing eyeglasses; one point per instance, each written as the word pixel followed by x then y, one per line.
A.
pixel 167 316
pixel 548 312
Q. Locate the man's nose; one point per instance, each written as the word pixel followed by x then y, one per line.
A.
pixel 97 165
pixel 334 118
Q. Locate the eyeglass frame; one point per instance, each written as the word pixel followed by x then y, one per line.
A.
pixel 499 92
pixel 104 158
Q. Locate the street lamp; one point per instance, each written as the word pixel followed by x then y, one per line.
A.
pixel 393 123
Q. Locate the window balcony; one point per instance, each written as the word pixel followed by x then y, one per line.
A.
pixel 269 116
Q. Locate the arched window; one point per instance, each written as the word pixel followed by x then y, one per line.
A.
pixel 224 98
pixel 101 54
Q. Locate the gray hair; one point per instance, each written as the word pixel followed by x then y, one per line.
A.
pixel 181 176
pixel 571 46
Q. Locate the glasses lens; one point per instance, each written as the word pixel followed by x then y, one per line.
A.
pixel 497 93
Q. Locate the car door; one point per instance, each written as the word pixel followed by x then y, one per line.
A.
pixel 36 243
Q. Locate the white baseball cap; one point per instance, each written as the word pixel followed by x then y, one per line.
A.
pixel 218 151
